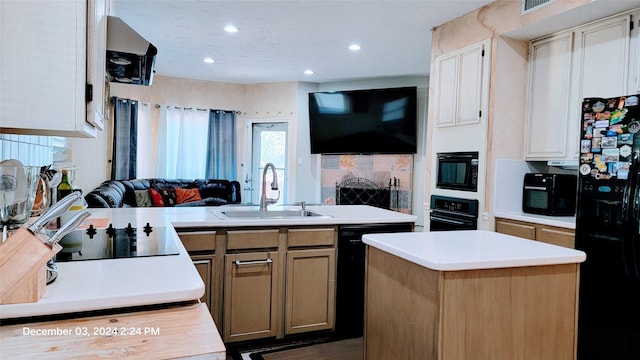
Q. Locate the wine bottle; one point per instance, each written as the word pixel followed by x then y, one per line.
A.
pixel 65 188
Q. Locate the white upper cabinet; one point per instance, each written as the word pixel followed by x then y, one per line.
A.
pixel 97 12
pixel 549 95
pixel 602 58
pixel 43 68
pixel 634 85
pixel 461 85
pixel 589 61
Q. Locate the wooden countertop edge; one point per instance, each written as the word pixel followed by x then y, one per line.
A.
pixel 176 332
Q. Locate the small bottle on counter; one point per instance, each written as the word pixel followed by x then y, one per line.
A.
pixel 64 188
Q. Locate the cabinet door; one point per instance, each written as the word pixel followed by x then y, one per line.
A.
pixel 250 291
pixel 556 236
pixel 634 86
pixel 97 12
pixel 446 84
pixel 469 94
pixel 204 266
pixel 516 228
pixel 310 290
pixel 603 58
pixel 548 98
pixel 43 68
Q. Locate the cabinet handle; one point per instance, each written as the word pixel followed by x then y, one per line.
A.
pixel 252 262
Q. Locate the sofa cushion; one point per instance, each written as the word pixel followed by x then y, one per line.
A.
pixel 156 198
pixel 143 198
pixel 187 195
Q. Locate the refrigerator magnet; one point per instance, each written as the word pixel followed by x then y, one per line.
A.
pixel 633 127
pixel 585 146
pixel 585 169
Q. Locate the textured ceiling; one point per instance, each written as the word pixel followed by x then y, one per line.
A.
pixel 278 40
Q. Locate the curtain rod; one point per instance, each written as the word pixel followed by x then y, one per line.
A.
pixel 157 106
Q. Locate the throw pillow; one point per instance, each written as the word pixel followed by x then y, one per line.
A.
pixel 187 195
pixel 168 196
pixel 143 198
pixel 156 198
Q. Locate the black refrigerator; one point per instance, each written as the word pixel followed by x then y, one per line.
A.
pixel 608 229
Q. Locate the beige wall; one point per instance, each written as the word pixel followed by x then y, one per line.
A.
pixel 255 102
pixel 500 21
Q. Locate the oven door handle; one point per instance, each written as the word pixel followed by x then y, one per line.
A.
pixel 449 221
pixel 529 187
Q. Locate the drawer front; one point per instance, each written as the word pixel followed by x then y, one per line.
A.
pixel 198 240
pixel 252 239
pixel 311 237
pixel 516 229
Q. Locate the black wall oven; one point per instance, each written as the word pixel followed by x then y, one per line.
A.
pixel 449 213
pixel 457 171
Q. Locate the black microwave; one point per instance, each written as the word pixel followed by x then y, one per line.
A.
pixel 457 171
pixel 549 194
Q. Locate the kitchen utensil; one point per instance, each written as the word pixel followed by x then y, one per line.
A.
pixel 54 212
pixel 69 226
pixel 18 185
pixel 42 198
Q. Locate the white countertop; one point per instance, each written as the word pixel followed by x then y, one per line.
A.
pixel 471 249
pixel 567 222
pixel 115 283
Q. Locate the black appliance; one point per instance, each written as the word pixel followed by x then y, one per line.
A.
pixel 130 58
pixel 549 194
pixel 112 243
pixel 457 171
pixel 377 121
pixel 608 229
pixel 350 275
pixel 449 213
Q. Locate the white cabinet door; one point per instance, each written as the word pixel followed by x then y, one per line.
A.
pixel 446 66
pixel 602 63
pixel 461 82
pixel 548 97
pixel 43 67
pixel 470 85
pixel 97 12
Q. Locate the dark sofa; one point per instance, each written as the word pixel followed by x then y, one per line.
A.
pixel 122 193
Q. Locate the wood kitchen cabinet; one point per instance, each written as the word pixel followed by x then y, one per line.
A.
pixel 43 68
pixel 532 231
pixel 201 246
pixel 251 286
pixel 462 79
pixel 310 280
pixel 589 61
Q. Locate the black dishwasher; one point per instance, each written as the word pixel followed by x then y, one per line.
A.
pixel 350 275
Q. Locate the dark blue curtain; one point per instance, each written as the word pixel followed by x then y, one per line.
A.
pixel 125 132
pixel 221 146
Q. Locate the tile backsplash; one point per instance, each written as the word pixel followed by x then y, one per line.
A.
pixel 31 150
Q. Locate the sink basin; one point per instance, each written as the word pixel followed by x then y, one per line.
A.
pixel 271 214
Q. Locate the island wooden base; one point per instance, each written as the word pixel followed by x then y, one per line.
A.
pixel 412 312
pixel 173 333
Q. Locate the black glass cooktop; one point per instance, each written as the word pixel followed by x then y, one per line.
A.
pixel 114 243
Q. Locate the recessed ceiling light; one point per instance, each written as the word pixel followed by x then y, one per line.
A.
pixel 354 47
pixel 308 72
pixel 208 60
pixel 230 29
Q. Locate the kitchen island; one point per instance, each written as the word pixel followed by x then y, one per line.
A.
pixel 158 293
pixel 469 295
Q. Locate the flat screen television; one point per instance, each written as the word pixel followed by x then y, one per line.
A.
pixel 377 121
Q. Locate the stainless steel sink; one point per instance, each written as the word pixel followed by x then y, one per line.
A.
pixel 271 214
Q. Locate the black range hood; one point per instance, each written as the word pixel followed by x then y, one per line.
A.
pixel 130 58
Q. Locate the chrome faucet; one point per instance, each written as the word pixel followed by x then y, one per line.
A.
pixel 264 200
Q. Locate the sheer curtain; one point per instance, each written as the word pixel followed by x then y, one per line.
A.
pixel 221 147
pixel 182 143
pixel 124 157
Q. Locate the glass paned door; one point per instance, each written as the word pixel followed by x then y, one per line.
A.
pixel 269 145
